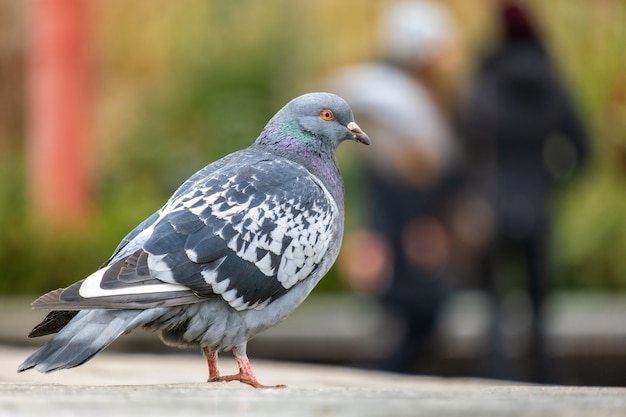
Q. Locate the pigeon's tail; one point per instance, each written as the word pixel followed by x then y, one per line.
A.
pixel 84 336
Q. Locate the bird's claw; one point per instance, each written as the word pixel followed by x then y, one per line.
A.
pixel 244 379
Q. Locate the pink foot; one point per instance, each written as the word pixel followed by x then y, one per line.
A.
pixel 211 360
pixel 245 375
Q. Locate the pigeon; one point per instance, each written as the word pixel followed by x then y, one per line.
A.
pixel 234 251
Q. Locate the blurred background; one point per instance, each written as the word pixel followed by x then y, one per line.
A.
pixel 106 106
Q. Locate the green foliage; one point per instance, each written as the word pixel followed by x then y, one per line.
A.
pixel 30 258
pixel 590 237
pixel 213 105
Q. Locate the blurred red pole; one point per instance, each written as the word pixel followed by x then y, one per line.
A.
pixel 59 111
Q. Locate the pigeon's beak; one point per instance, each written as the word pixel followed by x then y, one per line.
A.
pixel 358 134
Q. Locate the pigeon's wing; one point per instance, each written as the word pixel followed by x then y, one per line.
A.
pixel 124 249
pixel 131 236
pixel 247 233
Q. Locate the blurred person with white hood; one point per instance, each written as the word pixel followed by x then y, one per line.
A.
pixel 407 247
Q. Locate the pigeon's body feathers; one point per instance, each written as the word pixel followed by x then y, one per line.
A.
pixel 236 248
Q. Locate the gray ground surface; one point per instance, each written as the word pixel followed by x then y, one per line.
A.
pixel 122 384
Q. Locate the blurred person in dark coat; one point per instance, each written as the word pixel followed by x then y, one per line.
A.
pixel 407 245
pixel 522 138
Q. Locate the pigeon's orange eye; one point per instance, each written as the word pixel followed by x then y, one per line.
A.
pixel 327 114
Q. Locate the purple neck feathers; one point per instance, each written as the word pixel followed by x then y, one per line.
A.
pixel 309 152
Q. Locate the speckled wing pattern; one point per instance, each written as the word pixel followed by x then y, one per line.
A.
pixel 247 229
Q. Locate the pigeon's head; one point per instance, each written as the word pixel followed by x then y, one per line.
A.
pixel 316 120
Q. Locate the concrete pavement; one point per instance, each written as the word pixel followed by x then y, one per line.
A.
pixel 122 384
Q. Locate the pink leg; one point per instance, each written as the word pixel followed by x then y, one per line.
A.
pixel 245 374
pixel 211 359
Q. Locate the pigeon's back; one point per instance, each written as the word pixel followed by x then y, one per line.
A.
pixel 267 210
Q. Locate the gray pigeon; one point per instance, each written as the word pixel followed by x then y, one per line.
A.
pixel 234 251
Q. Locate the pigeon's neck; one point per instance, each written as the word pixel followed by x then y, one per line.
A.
pixel 319 161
